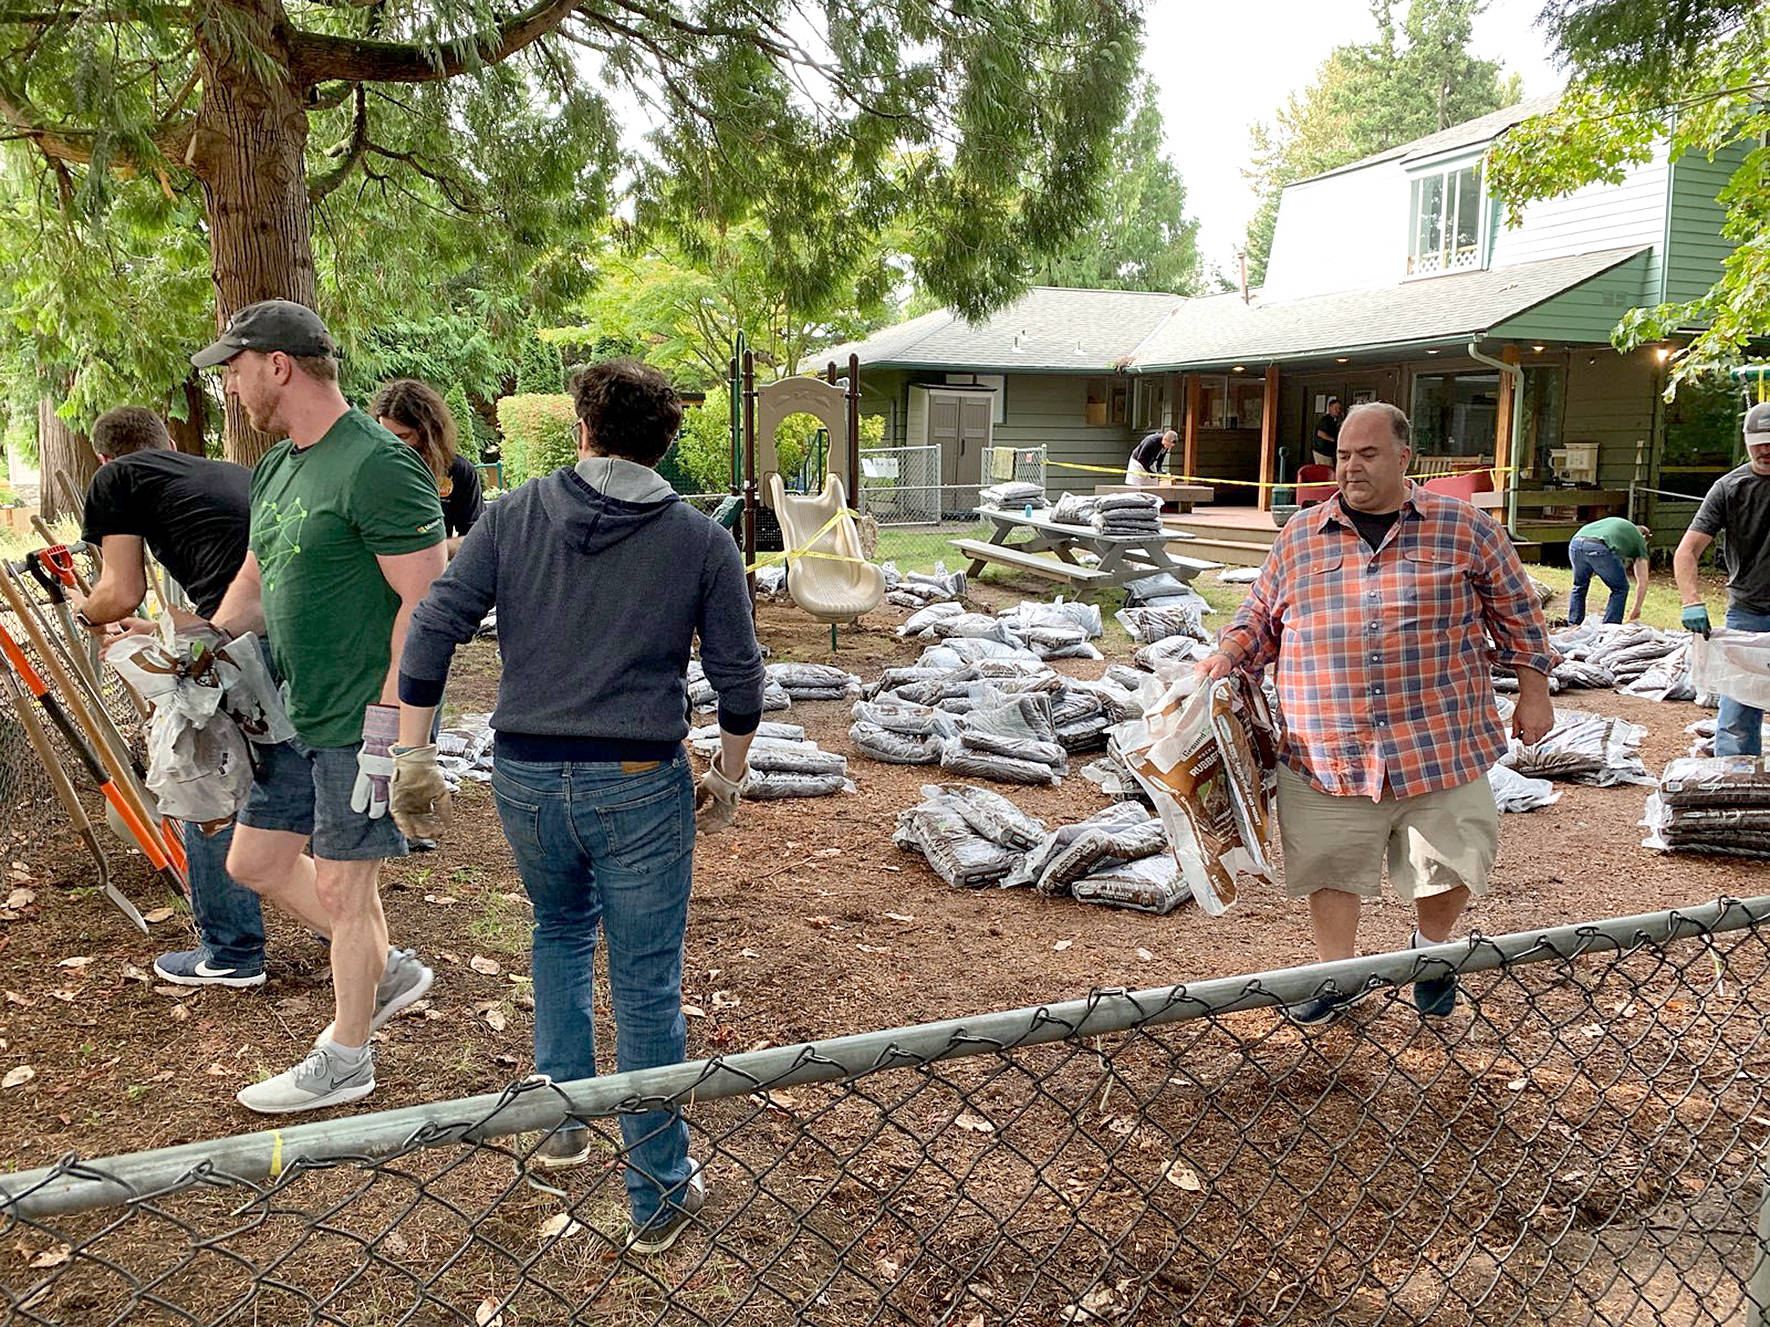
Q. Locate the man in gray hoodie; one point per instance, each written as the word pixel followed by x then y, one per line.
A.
pixel 602 577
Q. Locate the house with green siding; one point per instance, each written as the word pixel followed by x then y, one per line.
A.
pixel 1396 278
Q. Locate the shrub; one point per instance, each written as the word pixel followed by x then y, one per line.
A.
pixel 540 370
pixel 540 434
pixel 466 440
pixel 703 450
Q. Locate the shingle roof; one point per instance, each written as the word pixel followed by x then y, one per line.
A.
pixel 1470 133
pixel 1224 330
pixel 1048 329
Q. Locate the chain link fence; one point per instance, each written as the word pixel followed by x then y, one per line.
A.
pixel 1582 1142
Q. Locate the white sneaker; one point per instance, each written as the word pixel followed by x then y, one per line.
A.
pixel 403 981
pixel 322 1079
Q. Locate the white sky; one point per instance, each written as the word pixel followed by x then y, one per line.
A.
pixel 1220 67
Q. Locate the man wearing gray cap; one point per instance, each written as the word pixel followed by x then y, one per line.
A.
pixel 1739 504
pixel 345 538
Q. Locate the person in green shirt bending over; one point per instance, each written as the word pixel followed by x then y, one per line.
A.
pixel 1613 550
pixel 346 535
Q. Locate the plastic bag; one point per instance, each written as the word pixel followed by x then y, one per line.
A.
pixel 1172 656
pixel 1512 791
pixel 813 681
pixel 1193 754
pixel 1716 781
pixel 1149 625
pixel 773 785
pixel 991 815
pixel 1112 819
pixel 921 622
pixel 971 763
pixel 894 748
pixel 1099 847
pixel 1735 664
pixel 958 854
pixel 1149 884
pixel 1595 749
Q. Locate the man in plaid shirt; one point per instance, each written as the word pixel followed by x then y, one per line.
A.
pixel 1377 607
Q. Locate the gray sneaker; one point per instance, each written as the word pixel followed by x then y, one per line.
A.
pixel 322 1079
pixel 672 1218
pixel 403 981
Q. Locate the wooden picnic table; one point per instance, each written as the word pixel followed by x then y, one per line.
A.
pixel 1179 497
pixel 1121 557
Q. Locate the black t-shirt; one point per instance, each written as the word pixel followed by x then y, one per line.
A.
pixel 1372 526
pixel 1329 425
pixel 1149 453
pixel 190 511
pixel 1738 504
pixel 462 501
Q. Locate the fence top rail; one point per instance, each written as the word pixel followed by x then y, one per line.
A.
pixel 537 1104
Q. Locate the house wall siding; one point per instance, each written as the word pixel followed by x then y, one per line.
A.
pixel 1694 245
pixel 1612 402
pixel 1598 216
pixel 1589 311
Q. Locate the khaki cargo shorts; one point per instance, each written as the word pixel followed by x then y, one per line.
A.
pixel 1434 843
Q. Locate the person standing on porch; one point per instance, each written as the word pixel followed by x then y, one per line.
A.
pixel 1739 504
pixel 1327 432
pixel 1149 457
pixel 1376 607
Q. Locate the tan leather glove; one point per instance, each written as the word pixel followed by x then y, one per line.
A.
pixel 418 795
pixel 716 799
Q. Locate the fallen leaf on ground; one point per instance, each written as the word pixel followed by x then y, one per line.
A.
pixel 725 1000
pixel 487 967
pixel 52 1257
pixel 827 852
pixel 1062 945
pixel 75 963
pixel 133 973
pixel 1517 1085
pixel 1145 955
pixel 442 900
pixel 560 1224
pixel 19 1076
pixel 899 917
pixel 487 1314
pixel 820 921
pixel 693 1011
pixel 1183 1176
pixel 176 992
pixel 23 1001
pixel 495 1020
pixel 21 898
pixel 178 1013
pixel 748 953
pixel 157 915
pixel 973 1122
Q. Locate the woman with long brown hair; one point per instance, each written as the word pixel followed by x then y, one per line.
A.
pixel 416 414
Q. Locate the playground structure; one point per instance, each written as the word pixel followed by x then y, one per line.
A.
pixel 828 574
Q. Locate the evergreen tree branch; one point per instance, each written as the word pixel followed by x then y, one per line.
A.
pixel 350 152
pixel 317 57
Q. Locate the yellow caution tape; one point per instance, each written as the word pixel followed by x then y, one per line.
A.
pixel 1495 470
pixel 276 1153
pixel 805 550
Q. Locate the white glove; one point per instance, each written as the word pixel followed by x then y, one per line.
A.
pixel 374 763
pixel 419 795
pixel 716 799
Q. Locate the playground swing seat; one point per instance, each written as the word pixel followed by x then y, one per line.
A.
pixel 842 584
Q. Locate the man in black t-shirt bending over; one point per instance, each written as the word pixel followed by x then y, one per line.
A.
pixel 192 513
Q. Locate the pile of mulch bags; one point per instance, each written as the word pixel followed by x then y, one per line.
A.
pixel 1074 509
pixel 1717 805
pixel 701 695
pixel 917 589
pixel 1056 630
pixel 973 838
pixel 811 681
pixel 464 750
pixel 783 763
pixel 1128 514
pixel 1014 495
pixel 1630 656
pixel 983 709
pixel 1582 747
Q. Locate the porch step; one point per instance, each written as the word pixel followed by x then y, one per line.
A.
pixel 1232 552
pixel 1204 528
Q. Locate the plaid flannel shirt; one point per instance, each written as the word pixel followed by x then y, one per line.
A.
pixel 1384 670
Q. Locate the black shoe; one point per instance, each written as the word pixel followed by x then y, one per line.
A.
pixel 1436 998
pixel 1322 1009
pixel 421 845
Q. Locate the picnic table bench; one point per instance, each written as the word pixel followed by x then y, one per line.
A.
pixel 1121 558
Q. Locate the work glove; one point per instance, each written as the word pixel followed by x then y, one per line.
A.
pixel 1696 618
pixel 374 763
pixel 716 799
pixel 418 795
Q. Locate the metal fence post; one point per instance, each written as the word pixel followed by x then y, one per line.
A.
pixel 1758 1287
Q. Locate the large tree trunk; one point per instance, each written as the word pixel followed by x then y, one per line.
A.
pixel 67 463
pixel 247 151
pixel 187 433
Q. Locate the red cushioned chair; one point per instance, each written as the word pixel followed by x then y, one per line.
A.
pixel 1464 486
pixel 1315 483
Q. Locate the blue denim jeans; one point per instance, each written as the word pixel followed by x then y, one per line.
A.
pixel 229 917
pixel 609 845
pixel 1591 556
pixel 1740 729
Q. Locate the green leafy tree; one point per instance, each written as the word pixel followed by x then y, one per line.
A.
pixel 983 125
pixel 466 436
pixel 1416 78
pixel 1694 78
pixel 540 369
pixel 1141 238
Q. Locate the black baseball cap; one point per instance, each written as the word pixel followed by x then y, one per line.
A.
pixel 1757 424
pixel 272 324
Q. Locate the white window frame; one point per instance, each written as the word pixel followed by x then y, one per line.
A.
pixel 1445 258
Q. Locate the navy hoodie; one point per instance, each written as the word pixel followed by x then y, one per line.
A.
pixel 602 577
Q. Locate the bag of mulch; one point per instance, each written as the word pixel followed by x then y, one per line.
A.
pixel 958 854
pixel 1195 758
pixel 921 622
pixel 1149 884
pixel 984 742
pixel 771 785
pixel 901 717
pixel 1148 625
pixel 1163 588
pixel 1097 848
pixel 812 678
pixel 1112 820
pixel 1059 613
pixel 972 626
pixel 1585 748
pixel 1061 642
pixel 795 758
pixel 1171 655
pixel 1512 791
pixel 991 815
pixel 1579 673
pixel 956 758
pixel 1735 664
pixel 1667 678
pixel 1716 781
pixel 894 748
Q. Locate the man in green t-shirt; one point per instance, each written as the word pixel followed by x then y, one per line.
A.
pixel 1612 549
pixel 346 536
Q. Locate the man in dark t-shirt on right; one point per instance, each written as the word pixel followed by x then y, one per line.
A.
pixel 1739 504
pixel 1327 433
pixel 192 513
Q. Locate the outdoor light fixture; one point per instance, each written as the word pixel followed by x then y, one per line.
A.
pixel 1663 352
pixel 1237 369
pixel 1431 352
pixel 1538 349
pixel 1340 360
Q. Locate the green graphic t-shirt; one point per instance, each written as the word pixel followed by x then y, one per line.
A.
pixel 320 515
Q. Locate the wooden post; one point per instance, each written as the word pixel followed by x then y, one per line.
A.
pixel 1268 435
pixel 1189 443
pixel 750 468
pixel 853 432
pixel 1503 442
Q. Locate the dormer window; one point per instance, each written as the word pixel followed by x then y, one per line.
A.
pixel 1448 233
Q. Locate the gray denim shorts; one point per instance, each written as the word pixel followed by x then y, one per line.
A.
pixel 306 790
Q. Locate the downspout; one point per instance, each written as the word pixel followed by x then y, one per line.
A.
pixel 1517 372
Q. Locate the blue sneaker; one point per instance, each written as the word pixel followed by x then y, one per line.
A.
pixel 1434 997
pixel 197 967
pixel 1322 1009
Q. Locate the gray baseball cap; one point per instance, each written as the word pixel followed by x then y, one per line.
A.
pixel 272 324
pixel 1757 424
